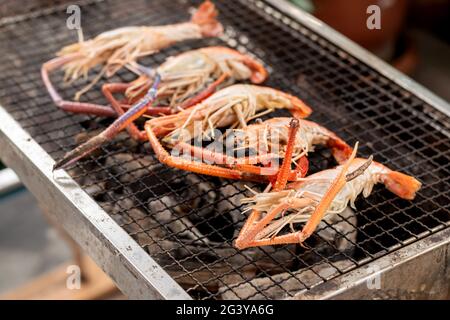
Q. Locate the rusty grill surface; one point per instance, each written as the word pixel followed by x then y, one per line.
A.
pixel 187 222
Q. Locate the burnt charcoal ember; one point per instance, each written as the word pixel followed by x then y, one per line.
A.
pixel 210 204
pixel 230 203
pixel 120 207
pixel 151 230
pixel 340 230
pixel 122 219
pixel 93 183
pixel 200 197
pixel 129 167
pixel 284 285
pixel 133 228
pixel 192 211
pixel 77 174
pixel 115 202
pixel 334 239
pixel 164 211
pixel 186 262
pixel 149 237
pixel 95 189
pixel 124 142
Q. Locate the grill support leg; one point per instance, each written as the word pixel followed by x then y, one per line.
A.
pixel 77 254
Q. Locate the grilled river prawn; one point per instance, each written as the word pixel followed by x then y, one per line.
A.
pixel 181 81
pixel 271 136
pixel 189 73
pixel 185 80
pixel 121 47
pixel 320 194
pixel 231 107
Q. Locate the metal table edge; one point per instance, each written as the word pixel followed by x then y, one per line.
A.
pixel 362 54
pixel 136 274
pixel 358 281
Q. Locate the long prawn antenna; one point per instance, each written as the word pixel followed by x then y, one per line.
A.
pixel 109 133
pixel 139 69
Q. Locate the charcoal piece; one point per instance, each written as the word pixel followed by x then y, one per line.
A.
pixel 341 232
pixel 230 203
pixel 225 265
pixel 283 285
pixel 95 189
pixel 163 210
pixel 129 168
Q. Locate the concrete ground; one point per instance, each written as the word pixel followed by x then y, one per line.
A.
pixel 29 247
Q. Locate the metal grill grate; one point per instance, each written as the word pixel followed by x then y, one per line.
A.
pixel 187 222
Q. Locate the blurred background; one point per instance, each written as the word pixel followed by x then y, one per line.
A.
pixel 413 38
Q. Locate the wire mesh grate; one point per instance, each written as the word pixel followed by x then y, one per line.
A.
pixel 188 222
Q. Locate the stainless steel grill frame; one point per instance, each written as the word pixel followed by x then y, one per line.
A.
pixel 32 128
